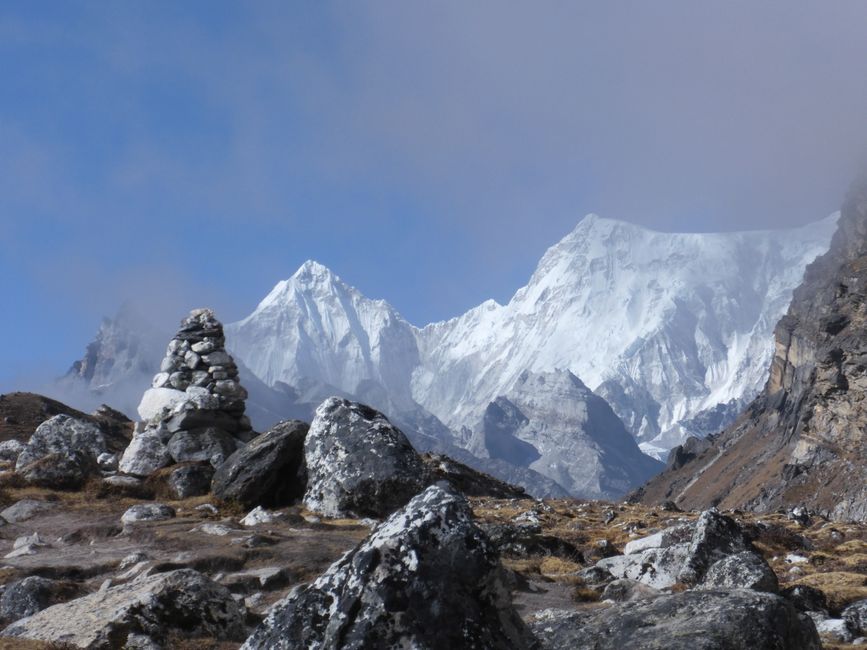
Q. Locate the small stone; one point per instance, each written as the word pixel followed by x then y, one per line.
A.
pixel 132 559
pixel 179 380
pixel 259 515
pixel 24 510
pixel 208 508
pixel 161 379
pixel 108 462
pixel 147 512
pixel 203 347
pixel 192 360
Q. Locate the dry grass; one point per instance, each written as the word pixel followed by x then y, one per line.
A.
pixel 840 587
pixel 555 567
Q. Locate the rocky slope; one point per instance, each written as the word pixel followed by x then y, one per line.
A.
pixel 802 440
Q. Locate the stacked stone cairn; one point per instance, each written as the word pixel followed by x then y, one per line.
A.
pixel 195 409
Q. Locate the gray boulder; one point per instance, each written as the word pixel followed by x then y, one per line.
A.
pixel 62 435
pixel 358 463
pixel 744 570
pixel 427 577
pixel 855 616
pixel 269 471
pixel 61 471
pixel 33 594
pixel 183 601
pixel 692 620
pixel 25 509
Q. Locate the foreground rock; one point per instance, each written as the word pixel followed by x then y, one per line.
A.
pixel 182 601
pixel 425 578
pixel 692 620
pixel 269 471
pixel 195 409
pixel 358 463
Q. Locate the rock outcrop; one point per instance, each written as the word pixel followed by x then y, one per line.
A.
pixel 427 577
pixel 692 620
pixel 358 463
pixel 270 471
pixel 802 441
pixel 195 408
pixel 182 601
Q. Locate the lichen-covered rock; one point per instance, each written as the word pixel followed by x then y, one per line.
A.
pixel 62 435
pixel 692 620
pixel 744 570
pixel 681 554
pixel 66 471
pixel 269 471
pixel 855 616
pixel 33 594
pixel 806 598
pixel 182 601
pixel 426 578
pixel 358 463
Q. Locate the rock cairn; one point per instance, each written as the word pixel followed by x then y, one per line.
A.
pixel 195 408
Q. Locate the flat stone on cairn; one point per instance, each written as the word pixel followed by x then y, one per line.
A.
pixel 195 408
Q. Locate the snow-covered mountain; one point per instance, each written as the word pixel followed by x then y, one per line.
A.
pixel 665 325
pixel 675 331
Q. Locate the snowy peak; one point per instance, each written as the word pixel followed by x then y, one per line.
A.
pixel 314 327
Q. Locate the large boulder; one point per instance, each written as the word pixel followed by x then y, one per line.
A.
pixel 269 471
pixel 64 471
pixel 182 601
pixel 358 463
pixel 65 437
pixel 692 620
pixel 427 577
pixel 681 554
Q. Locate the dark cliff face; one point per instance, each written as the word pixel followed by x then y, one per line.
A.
pixel 802 441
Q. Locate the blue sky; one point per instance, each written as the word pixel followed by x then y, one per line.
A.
pixel 190 153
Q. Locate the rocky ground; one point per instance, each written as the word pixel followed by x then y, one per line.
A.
pixel 82 546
